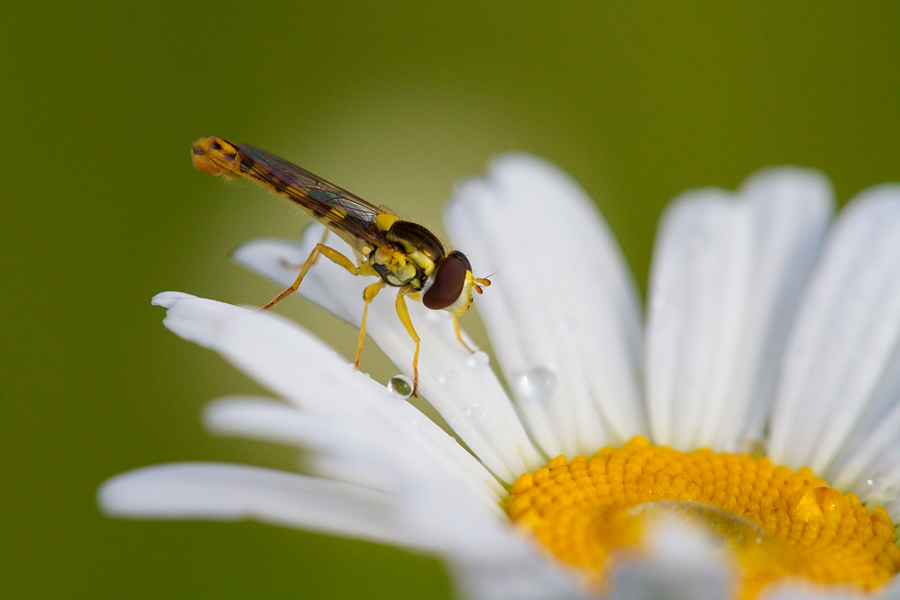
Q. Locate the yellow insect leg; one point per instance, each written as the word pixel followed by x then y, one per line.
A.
pixel 329 253
pixel 368 295
pixel 403 313
pixel 459 333
pixel 322 242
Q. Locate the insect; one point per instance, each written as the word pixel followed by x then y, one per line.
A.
pixel 401 254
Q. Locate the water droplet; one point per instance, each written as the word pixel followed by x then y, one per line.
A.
pixel 875 480
pixel 537 385
pixel 818 502
pixel 400 386
pixel 478 360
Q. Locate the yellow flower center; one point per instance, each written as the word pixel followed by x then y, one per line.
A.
pixel 777 522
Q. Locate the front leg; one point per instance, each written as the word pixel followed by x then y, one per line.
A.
pixel 329 253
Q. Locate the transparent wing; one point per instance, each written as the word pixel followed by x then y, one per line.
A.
pixel 350 217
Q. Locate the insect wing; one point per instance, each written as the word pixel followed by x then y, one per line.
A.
pixel 349 216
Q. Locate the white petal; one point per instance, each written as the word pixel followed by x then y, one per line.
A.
pixel 680 563
pixel 490 558
pixel 791 212
pixel 845 341
pixel 514 578
pixel 232 492
pixel 800 589
pixel 278 354
pixel 870 464
pixel 459 385
pixel 701 247
pixel 873 470
pixel 298 367
pixel 889 591
pixel 563 311
pixel 726 279
pixel 449 523
pixel 381 459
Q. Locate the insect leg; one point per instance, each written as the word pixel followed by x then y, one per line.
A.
pixel 322 243
pixel 368 295
pixel 329 253
pixel 403 313
pixel 459 334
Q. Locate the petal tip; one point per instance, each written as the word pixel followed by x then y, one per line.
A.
pixel 168 299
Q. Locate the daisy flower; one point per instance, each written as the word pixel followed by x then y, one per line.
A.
pixel 737 442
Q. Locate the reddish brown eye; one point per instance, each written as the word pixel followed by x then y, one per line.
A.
pixel 448 281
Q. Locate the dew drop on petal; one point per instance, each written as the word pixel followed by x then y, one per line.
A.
pixel 537 385
pixel 400 386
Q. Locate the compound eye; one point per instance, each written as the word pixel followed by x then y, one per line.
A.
pixel 448 282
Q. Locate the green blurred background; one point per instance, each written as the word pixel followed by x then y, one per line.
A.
pixel 101 209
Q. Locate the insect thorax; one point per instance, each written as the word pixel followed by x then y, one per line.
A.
pixel 414 258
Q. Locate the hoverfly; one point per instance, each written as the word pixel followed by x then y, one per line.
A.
pixel 401 254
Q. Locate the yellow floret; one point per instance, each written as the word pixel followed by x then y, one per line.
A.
pixel 584 511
